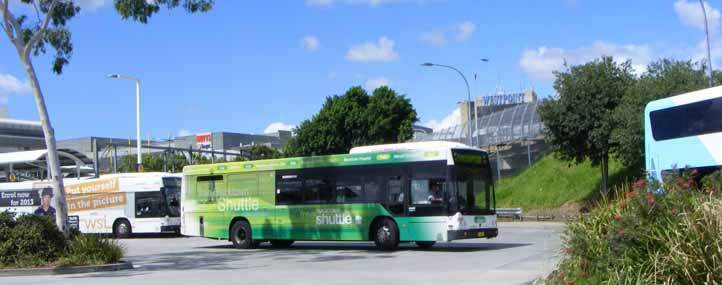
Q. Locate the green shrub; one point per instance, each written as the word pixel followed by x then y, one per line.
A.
pixel 653 234
pixel 91 250
pixel 30 241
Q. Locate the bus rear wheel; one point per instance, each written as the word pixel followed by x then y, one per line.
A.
pixel 122 229
pixel 386 234
pixel 425 244
pixel 279 243
pixel 241 235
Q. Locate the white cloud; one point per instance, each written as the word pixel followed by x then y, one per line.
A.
pixel 464 30
pixel 690 13
pixel 539 63
pixel 311 43
pixel 381 51
pixel 278 126
pixel 184 132
pixel 373 83
pixel 435 38
pixel 450 120
pixel 460 32
pixel 10 84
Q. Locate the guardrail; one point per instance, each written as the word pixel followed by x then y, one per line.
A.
pixel 514 213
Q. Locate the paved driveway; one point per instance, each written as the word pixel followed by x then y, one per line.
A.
pixel 521 253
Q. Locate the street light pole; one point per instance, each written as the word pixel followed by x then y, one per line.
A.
pixel 706 32
pixel 468 94
pixel 139 162
pixel 476 116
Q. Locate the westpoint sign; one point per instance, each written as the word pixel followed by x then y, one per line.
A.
pixel 503 99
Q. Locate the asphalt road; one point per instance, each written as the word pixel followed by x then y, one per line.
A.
pixel 521 253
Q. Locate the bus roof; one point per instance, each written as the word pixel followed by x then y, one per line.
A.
pixel 427 145
pixel 146 178
pixel 383 154
pixel 684 99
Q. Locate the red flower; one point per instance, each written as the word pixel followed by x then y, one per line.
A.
pixel 687 184
pixel 623 204
pixel 621 232
pixel 631 194
pixel 570 283
pixel 640 183
pixel 561 276
pixel 694 171
pixel 673 211
pixel 650 198
pixel 617 217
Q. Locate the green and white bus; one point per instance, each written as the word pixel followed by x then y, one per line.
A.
pixel 422 192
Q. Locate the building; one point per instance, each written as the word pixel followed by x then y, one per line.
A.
pixel 507 125
pixel 20 135
pixel 232 142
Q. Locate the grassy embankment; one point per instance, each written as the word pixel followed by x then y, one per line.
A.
pixel 552 183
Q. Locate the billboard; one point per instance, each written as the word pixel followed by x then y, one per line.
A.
pixel 204 141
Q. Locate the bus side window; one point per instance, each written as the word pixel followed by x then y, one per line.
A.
pixel 208 188
pixel 349 190
pixel 318 191
pixel 372 190
pixel 395 198
pixel 147 204
pixel 289 190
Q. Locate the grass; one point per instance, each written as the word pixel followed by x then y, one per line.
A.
pixel 551 183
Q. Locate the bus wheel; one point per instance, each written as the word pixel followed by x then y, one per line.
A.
pixel 122 229
pixel 386 234
pixel 425 244
pixel 278 243
pixel 241 235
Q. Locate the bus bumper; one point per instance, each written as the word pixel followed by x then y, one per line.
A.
pixel 471 233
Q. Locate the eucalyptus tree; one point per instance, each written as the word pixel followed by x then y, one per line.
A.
pixel 35 26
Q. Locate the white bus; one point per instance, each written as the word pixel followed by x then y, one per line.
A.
pixel 121 204
pixel 684 131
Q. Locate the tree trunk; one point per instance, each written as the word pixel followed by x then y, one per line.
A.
pixel 605 174
pixel 56 178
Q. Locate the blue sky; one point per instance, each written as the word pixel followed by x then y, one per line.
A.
pixel 248 65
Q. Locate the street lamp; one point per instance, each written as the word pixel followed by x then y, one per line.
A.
pixel 468 93
pixel 706 32
pixel 476 116
pixel 139 163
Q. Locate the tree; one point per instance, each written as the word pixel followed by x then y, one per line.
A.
pixel 662 79
pixel 580 121
pixel 50 31
pixel 354 119
pixel 261 151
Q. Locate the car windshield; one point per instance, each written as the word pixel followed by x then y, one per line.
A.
pixel 171 195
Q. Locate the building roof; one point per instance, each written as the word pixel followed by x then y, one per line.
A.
pixel 21 159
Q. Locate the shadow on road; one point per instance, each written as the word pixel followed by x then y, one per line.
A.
pixel 369 247
pixel 225 257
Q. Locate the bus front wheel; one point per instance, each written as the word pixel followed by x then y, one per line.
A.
pixel 386 234
pixel 122 229
pixel 241 235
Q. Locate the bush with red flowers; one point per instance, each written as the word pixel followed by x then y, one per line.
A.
pixel 655 233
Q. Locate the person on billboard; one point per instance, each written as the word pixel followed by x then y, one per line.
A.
pixel 45 209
